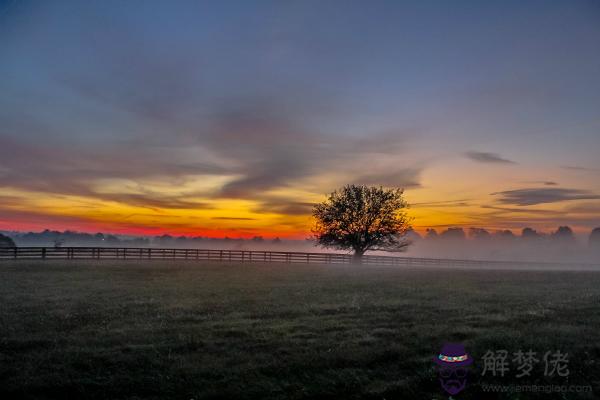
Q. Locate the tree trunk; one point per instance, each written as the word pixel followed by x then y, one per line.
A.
pixel 357 257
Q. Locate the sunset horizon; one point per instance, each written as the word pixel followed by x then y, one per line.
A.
pixel 169 123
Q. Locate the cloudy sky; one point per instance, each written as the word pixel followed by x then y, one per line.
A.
pixel 232 118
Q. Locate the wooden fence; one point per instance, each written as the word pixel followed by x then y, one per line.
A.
pixel 114 253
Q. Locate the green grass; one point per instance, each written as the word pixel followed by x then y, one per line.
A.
pixel 133 330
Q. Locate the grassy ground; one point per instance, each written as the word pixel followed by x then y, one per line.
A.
pixel 129 330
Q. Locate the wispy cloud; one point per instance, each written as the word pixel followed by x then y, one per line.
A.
pixel 578 168
pixel 546 183
pixel 483 157
pixel 520 210
pixel 259 145
pixel 533 196
pixel 400 177
pixel 442 204
pixel 235 218
pixel 585 208
pixel 285 206
pixel 156 201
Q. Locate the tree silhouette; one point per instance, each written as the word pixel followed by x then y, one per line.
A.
pixel 595 238
pixel 431 233
pixel 6 241
pixel 453 234
pixel 529 233
pixel 362 218
pixel 564 233
pixel 505 234
pixel 479 233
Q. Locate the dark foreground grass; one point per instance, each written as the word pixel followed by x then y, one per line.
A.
pixel 132 330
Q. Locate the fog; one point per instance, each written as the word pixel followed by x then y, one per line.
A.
pixel 561 245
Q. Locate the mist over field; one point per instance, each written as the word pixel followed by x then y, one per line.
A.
pixel 543 249
pixel 454 243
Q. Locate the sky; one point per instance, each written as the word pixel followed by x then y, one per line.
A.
pixel 231 118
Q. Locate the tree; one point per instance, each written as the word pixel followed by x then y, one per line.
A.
pixel 505 234
pixel 453 234
pixel 529 233
pixel 479 233
pixel 595 238
pixel 5 241
pixel 564 233
pixel 412 236
pixel 362 218
pixel 431 233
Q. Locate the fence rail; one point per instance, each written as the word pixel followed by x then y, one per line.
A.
pixel 114 253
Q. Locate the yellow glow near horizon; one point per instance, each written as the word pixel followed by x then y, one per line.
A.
pixel 192 206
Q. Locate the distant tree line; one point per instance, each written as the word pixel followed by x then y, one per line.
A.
pixel 72 238
pixel 6 241
pixel 563 233
pixel 47 237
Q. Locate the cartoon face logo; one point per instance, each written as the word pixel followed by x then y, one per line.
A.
pixel 453 362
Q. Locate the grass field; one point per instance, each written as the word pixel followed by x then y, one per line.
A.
pixel 176 330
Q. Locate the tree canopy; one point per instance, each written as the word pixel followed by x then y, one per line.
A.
pixel 362 218
pixel 5 241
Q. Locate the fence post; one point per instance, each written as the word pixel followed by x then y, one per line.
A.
pixel 43 253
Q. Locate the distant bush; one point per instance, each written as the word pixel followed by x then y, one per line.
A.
pixel 564 233
pixel 454 234
pixel 595 238
pixel 5 241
